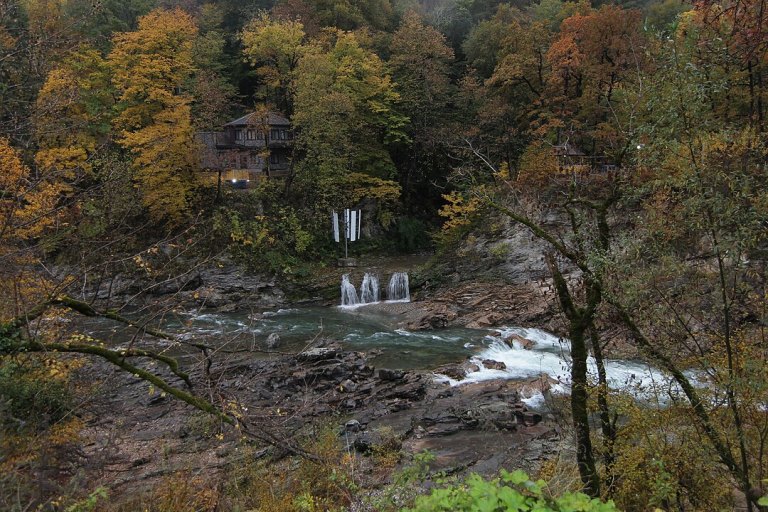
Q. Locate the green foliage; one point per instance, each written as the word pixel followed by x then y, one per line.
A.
pixel 89 503
pixel 411 234
pixel 509 492
pixel 28 400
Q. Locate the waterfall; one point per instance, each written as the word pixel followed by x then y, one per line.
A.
pixel 369 290
pixel 398 287
pixel 348 292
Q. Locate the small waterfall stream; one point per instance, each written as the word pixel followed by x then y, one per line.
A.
pixel 398 287
pixel 369 290
pixel 348 292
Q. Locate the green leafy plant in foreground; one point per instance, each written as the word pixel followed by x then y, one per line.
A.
pixel 509 492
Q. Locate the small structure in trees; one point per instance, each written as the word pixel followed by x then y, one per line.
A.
pixel 255 146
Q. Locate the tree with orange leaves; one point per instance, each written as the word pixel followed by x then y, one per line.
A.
pixel 593 57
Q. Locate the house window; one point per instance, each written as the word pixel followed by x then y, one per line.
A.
pixel 251 134
pixel 274 134
pixel 243 161
pixel 274 158
pixel 260 134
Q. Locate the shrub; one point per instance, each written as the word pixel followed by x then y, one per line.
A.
pixel 28 399
pixel 411 235
pixel 510 492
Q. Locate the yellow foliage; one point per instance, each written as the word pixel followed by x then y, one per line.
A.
pixel 458 211
pixel 27 210
pixel 538 165
pixel 26 202
pixel 72 111
pixel 274 47
pixel 150 65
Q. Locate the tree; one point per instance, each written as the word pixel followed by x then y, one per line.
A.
pixel 274 47
pixel 214 95
pixel 592 56
pixel 345 114
pixel 421 61
pixel 73 114
pixel 150 68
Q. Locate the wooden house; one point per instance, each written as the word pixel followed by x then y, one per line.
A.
pixel 572 160
pixel 255 146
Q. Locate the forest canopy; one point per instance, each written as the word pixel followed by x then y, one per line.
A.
pixel 628 137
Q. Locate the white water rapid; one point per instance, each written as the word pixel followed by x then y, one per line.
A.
pixel 398 287
pixel 549 355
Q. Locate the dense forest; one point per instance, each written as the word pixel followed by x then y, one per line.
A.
pixel 628 138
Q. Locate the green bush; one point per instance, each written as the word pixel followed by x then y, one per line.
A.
pixel 27 401
pixel 411 235
pixel 510 492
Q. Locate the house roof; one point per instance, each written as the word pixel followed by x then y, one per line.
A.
pixel 252 118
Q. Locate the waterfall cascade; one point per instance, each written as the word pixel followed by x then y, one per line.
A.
pixel 398 287
pixel 369 290
pixel 348 292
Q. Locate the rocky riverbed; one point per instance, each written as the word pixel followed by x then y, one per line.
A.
pixel 135 435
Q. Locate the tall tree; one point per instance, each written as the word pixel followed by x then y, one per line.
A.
pixel 73 114
pixel 592 56
pixel 421 62
pixel 345 116
pixel 151 66
pixel 274 47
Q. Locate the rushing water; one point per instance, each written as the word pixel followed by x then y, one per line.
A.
pixel 357 329
pixel 348 292
pixel 397 290
pixel 367 329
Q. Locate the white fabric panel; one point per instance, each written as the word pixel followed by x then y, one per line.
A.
pixel 359 222
pixel 353 227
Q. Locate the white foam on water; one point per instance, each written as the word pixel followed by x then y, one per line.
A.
pixel 549 354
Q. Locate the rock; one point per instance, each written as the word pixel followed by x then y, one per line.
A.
pixel 494 365
pixel 317 354
pixel 523 342
pixel 352 426
pixel 531 418
pixel 348 386
pixel 481 322
pixel 472 368
pixel 390 375
pixel 454 372
pixel 273 340
pixel 176 285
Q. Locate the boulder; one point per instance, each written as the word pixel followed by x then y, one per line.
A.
pixel 390 375
pixel 352 426
pixel 524 343
pixel 317 354
pixel 453 371
pixel 494 365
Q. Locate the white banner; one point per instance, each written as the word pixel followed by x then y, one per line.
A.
pixel 335 220
pixel 353 226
